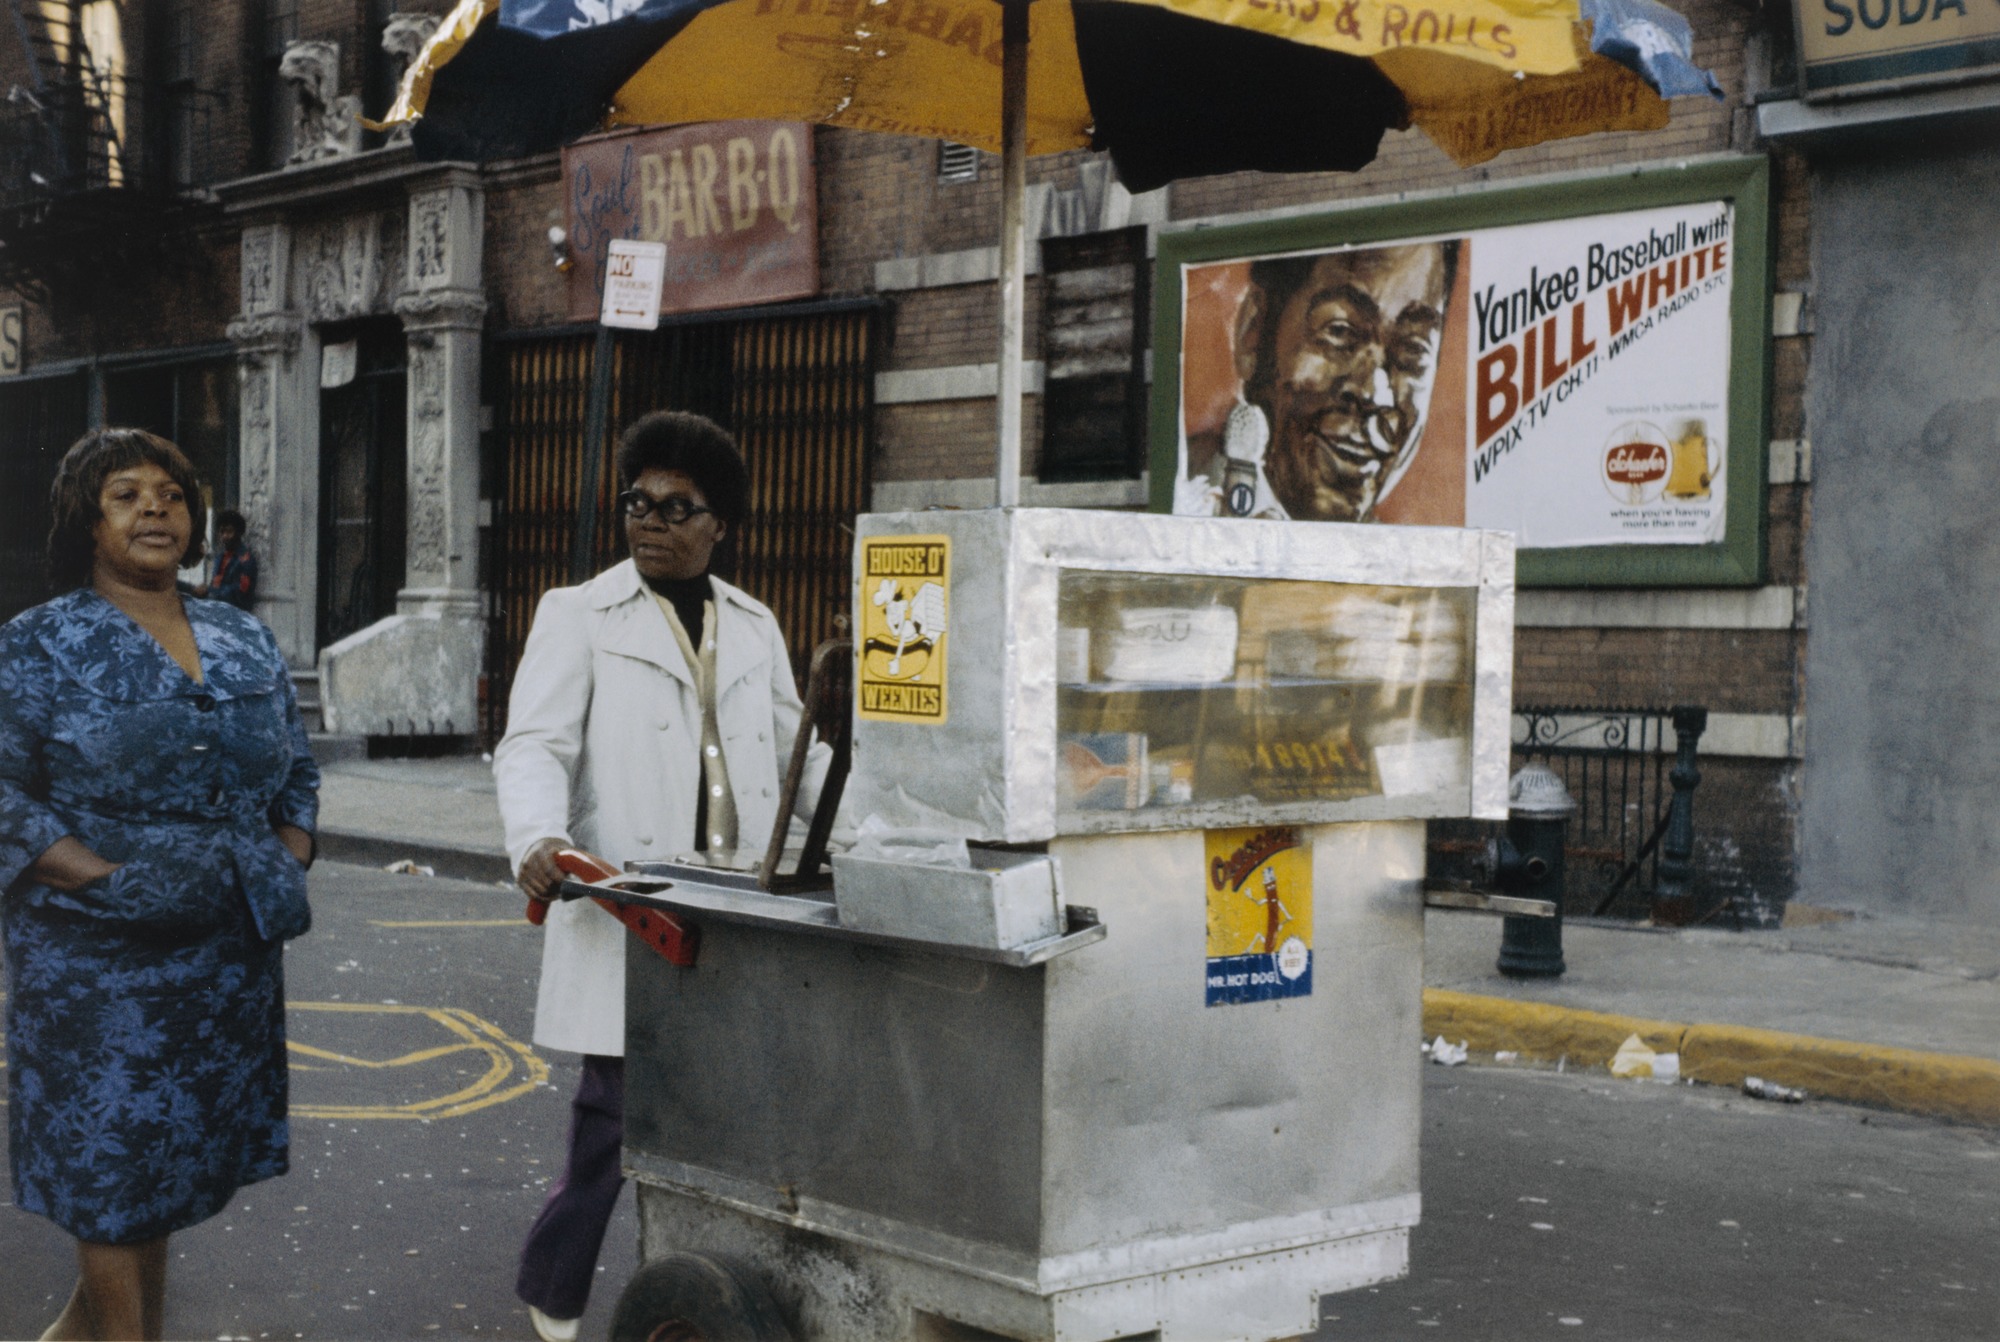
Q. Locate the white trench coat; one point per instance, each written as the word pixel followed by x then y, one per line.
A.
pixel 603 751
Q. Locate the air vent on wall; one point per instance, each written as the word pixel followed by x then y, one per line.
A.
pixel 957 162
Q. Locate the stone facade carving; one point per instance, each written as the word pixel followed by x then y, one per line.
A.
pixel 435 321
pixel 267 363
pixel 348 267
pixel 271 333
pixel 442 310
pixel 265 346
pixel 258 450
pixel 428 505
pixel 430 239
pixel 395 262
pixel 261 268
pixel 403 37
pixel 315 253
pixel 327 124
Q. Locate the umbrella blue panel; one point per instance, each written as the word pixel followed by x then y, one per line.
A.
pixel 1651 40
pixel 511 92
pixel 556 18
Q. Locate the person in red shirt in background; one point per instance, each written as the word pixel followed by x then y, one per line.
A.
pixel 235 576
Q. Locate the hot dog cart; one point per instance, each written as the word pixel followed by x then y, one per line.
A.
pixel 1142 1055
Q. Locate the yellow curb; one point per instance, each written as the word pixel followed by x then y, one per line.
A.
pixel 1537 1030
pixel 1942 1085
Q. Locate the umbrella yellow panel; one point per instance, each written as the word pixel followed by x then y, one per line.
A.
pixel 909 67
pixel 1476 112
pixel 1528 35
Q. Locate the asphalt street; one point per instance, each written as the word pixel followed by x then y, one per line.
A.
pixel 424 1134
pixel 425 1131
pixel 1579 1206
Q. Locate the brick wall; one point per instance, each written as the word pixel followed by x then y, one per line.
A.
pixel 523 287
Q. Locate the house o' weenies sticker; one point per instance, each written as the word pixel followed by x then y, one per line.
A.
pixel 905 604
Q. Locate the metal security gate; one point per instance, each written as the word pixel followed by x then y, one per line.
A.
pixel 795 387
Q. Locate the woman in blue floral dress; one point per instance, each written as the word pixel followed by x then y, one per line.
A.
pixel 157 803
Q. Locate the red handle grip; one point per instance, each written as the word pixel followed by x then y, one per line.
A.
pixel 571 862
pixel 673 940
pixel 584 866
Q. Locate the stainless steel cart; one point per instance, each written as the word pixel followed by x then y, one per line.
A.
pixel 1149 1063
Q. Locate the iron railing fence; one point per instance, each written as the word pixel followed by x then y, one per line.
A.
pixel 1614 762
pixel 1618 766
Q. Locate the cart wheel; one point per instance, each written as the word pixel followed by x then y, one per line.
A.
pixel 697 1297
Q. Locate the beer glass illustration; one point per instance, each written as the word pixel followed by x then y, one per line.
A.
pixel 1691 467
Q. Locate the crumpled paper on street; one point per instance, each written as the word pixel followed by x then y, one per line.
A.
pixel 1635 1061
pixel 1445 1053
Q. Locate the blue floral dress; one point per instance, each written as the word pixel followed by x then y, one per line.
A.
pixel 145 1011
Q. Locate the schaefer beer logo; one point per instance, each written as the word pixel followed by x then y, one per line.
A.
pixel 1644 462
pixel 1259 914
pixel 1635 463
pixel 905 605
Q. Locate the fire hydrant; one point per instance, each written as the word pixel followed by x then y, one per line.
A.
pixel 1529 862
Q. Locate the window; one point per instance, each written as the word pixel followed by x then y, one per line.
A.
pixel 191 404
pixel 177 96
pixel 1095 314
pixel 177 64
pixel 39 418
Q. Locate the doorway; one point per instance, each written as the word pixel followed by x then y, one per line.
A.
pixel 363 490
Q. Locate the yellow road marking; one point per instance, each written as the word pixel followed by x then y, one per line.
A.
pixel 505 1056
pixel 507 1059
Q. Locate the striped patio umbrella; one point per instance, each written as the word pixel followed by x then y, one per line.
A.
pixel 1170 88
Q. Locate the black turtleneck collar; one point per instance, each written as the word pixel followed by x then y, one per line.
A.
pixel 686 596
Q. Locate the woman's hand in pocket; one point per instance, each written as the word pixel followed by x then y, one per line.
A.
pixel 297 842
pixel 69 865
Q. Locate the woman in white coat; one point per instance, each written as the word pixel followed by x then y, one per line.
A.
pixel 652 714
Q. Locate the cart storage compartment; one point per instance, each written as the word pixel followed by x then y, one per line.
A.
pixel 1005 900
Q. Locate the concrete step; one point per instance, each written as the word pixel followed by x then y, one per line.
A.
pixel 306 685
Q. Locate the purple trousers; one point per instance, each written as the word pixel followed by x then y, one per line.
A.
pixel 560 1257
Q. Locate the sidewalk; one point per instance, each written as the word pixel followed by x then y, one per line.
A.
pixel 438 813
pixel 1902 1013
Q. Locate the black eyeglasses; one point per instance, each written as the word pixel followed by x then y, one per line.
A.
pixel 675 508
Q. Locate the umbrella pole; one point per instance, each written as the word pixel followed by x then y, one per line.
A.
pixel 1013 242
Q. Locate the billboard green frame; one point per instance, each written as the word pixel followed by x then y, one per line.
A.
pixel 1744 180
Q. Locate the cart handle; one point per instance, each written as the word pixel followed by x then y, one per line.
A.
pixel 674 941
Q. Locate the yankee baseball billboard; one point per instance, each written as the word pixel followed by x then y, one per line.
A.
pixel 1566 379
